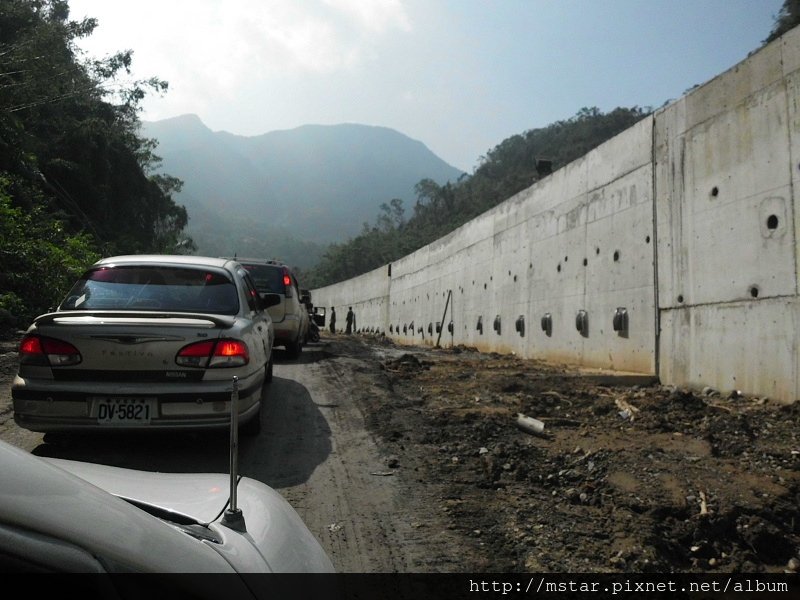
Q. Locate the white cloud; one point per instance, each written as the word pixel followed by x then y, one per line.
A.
pixel 239 53
pixel 375 15
pixel 461 75
pixel 285 36
pixel 243 38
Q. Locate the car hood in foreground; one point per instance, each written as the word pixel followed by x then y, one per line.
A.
pixel 199 496
pixel 38 496
pixel 85 504
pixel 277 539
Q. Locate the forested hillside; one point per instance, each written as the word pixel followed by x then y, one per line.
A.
pixel 76 179
pixel 512 166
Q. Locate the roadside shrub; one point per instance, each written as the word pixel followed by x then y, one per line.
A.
pixel 10 306
pixel 39 261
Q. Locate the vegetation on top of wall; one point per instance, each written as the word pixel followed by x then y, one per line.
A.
pixel 787 18
pixel 512 166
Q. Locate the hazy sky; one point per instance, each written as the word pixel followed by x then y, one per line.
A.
pixel 458 75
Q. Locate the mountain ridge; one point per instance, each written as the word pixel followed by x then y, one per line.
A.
pixel 314 184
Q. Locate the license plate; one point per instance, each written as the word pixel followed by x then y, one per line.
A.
pixel 124 411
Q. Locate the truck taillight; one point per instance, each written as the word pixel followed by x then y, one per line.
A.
pixel 213 354
pixel 47 352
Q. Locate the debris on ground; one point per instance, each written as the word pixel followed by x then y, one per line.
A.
pixel 630 478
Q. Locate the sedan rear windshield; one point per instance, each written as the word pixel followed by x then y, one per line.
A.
pixel 156 288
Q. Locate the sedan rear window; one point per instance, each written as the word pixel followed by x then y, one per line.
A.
pixel 156 288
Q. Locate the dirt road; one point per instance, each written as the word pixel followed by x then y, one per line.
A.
pixel 313 448
pixel 316 450
pixel 413 460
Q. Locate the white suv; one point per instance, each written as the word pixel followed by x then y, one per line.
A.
pixel 289 316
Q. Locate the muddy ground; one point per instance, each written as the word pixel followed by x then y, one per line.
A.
pixel 642 478
pixel 622 478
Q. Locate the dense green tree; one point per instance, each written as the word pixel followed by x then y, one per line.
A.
pixel 39 260
pixel 788 18
pixel 71 156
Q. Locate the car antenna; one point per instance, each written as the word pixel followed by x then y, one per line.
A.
pixel 233 516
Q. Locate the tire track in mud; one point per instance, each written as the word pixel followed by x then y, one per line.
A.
pixel 335 498
pixel 360 509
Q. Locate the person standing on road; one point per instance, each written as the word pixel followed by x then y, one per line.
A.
pixel 333 319
pixel 351 321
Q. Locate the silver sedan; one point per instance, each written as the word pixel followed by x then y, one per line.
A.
pixel 145 342
pixel 64 516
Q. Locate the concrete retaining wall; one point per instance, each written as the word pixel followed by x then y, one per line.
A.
pixel 670 250
pixel 726 160
pixel 367 294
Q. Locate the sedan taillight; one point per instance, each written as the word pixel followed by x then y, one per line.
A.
pixel 39 350
pixel 214 353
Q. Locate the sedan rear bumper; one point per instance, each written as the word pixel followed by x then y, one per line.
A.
pixel 41 406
